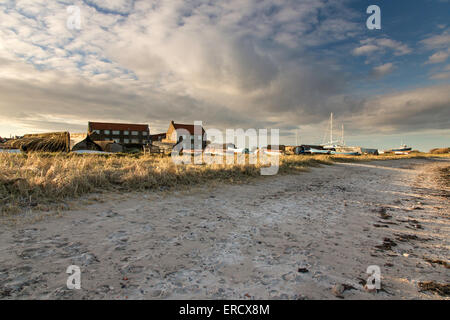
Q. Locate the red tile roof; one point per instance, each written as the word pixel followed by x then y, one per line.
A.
pixel 117 126
pixel 188 127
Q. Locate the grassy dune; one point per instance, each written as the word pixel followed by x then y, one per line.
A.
pixel 40 179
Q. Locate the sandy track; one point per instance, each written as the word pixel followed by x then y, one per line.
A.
pixel 244 241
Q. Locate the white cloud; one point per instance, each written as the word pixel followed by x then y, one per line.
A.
pixel 406 111
pixel 441 76
pixel 438 41
pixel 112 6
pixel 365 49
pixel 380 46
pixel 382 70
pixel 438 57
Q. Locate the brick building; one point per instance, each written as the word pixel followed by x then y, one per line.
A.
pixel 178 132
pixel 123 133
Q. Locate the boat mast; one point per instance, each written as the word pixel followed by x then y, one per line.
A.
pixel 331 128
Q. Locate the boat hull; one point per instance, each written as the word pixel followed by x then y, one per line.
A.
pixel 346 153
pixel 311 150
pixel 401 150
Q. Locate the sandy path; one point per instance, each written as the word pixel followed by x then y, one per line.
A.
pixel 244 241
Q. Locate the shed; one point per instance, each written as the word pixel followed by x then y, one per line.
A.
pixel 110 146
pixel 82 141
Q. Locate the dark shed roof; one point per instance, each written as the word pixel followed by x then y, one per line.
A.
pixel 189 127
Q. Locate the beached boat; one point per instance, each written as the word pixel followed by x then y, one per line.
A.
pixel 313 151
pixel 403 148
pixel 348 153
pixel 333 144
pixel 238 150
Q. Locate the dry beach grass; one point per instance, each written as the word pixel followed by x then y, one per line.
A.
pixel 39 179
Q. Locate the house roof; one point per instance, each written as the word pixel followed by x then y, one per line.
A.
pixel 117 126
pixel 189 127
pixel 158 135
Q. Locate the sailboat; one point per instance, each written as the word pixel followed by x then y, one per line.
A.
pixel 332 143
pixel 338 146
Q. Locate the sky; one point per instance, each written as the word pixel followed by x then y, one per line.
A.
pixel 230 64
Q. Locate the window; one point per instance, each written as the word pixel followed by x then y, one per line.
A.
pixel 126 133
pixel 144 133
pixel 199 137
pixel 134 133
pixel 116 132
pixel 96 131
pixel 106 131
pixel 126 140
pixel 116 140
pixel 134 140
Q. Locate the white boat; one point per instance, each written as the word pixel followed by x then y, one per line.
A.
pixel 10 150
pixel 238 150
pixel 272 153
pixel 333 144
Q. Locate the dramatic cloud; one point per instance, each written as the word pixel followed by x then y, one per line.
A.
pixel 231 63
pixel 139 61
pixel 407 111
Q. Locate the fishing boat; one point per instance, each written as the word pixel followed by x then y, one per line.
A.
pixel 403 148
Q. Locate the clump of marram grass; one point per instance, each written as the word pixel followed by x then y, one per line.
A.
pixel 440 151
pixel 36 179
